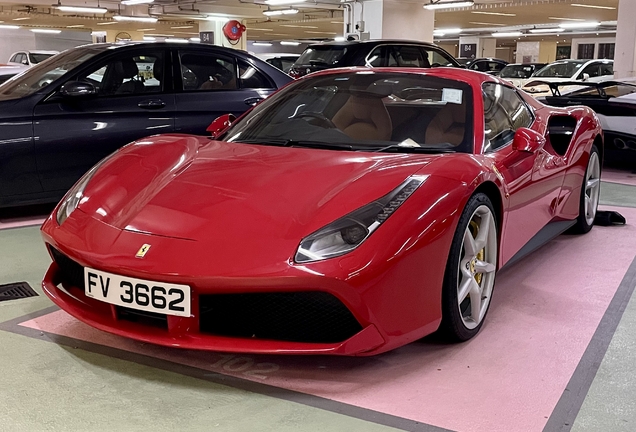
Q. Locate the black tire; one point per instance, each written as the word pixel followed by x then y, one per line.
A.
pixel 452 327
pixel 582 226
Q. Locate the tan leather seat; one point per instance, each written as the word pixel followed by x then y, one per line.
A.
pixel 448 125
pixel 364 118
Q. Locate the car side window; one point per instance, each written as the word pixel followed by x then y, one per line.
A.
pixel 410 56
pixel 376 58
pixel 250 77
pixel 592 70
pixel 435 58
pixel 504 113
pixel 607 69
pixel 127 74
pixel 202 71
pixel 14 58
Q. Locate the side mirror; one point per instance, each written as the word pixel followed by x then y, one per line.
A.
pixel 220 124
pixel 77 88
pixel 25 62
pixel 586 77
pixel 527 141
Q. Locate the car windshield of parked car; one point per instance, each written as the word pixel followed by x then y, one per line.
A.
pixel 40 76
pixel 516 71
pixel 327 55
pixel 367 111
pixel 560 70
pixel 36 58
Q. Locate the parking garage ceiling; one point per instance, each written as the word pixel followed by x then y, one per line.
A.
pixel 316 20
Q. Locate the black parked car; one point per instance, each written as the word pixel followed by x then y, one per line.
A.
pixel 488 65
pixel 375 53
pixel 62 116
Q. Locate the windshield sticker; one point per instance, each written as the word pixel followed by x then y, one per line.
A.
pixel 451 95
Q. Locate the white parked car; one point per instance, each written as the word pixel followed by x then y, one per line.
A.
pixel 10 70
pixel 30 58
pixel 569 70
pixel 520 73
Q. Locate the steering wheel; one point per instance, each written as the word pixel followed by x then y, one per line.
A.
pixel 322 120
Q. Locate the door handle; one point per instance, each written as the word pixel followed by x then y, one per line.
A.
pixel 253 101
pixel 152 104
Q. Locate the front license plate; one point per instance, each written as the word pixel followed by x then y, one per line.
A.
pixel 145 295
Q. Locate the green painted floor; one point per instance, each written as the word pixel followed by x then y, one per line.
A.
pixel 45 386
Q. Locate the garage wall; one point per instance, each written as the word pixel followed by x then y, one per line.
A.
pixel 20 39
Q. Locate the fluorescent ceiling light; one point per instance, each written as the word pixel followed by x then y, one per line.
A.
pixel 49 31
pixel 9 27
pixel 75 26
pixel 217 17
pixel 135 2
pixel 547 30
pixel 486 23
pixel 589 24
pixel 135 18
pixel 445 31
pixel 566 19
pixel 280 12
pixel 262 44
pixel 259 29
pixel 283 2
pixel 507 34
pixel 178 40
pixel 195 39
pixel 21 19
pixel 298 26
pixel 340 39
pixel 82 9
pixel 290 43
pixel 146 29
pixel 149 38
pixel 107 23
pixel 592 6
pixel 493 13
pixel 321 32
pixel 448 5
pixel 182 27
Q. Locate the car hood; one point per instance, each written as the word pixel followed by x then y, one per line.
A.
pixel 229 193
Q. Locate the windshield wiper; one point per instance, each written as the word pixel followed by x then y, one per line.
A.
pixel 405 149
pixel 299 143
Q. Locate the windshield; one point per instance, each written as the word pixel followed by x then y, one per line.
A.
pixel 37 58
pixel 322 55
pixel 368 111
pixel 517 71
pixel 560 70
pixel 40 76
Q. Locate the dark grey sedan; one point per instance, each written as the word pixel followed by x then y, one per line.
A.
pixel 62 116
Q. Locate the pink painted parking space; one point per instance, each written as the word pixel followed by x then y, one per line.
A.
pixel 544 313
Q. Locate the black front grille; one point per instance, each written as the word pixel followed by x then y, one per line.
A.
pixel 312 316
pixel 142 317
pixel 72 273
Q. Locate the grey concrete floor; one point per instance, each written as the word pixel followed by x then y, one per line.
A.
pixel 46 386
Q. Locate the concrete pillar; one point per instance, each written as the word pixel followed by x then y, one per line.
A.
pixel 547 51
pixel 393 19
pixel 219 37
pixel 625 53
pixel 476 47
pixel 488 47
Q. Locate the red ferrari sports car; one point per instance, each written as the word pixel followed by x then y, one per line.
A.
pixel 351 213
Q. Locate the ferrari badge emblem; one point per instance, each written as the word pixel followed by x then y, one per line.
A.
pixel 142 251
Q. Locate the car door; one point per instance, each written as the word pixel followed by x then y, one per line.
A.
pixel 211 84
pixel 134 98
pixel 533 179
pixel 593 72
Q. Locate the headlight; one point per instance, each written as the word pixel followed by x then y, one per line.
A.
pixel 73 197
pixel 348 232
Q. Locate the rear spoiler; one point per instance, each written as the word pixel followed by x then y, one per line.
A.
pixel 599 86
